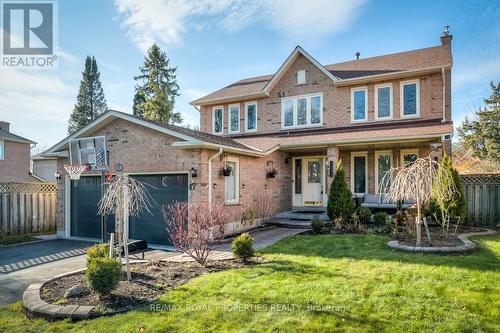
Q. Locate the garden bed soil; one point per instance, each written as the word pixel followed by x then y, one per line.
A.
pixel 438 237
pixel 149 281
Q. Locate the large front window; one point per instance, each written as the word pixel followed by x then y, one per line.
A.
pixel 359 107
pixel 359 172
pixel 218 120
pixel 302 111
pixel 410 99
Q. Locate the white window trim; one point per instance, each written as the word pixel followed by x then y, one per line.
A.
pixel 353 90
pixel 354 154
pixel 229 115
pixel 236 161
pixel 401 98
pixel 213 119
pixel 305 78
pixel 308 111
pixel 2 145
pixel 376 87
pixel 407 152
pixel 246 116
pixel 377 154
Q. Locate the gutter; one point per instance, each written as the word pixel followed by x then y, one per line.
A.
pixel 210 175
pixel 202 144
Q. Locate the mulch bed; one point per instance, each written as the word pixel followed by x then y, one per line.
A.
pixel 438 237
pixel 149 281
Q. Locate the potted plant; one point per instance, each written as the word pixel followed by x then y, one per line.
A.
pixel 271 173
pixel 227 170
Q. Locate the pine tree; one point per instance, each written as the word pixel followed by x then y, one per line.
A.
pixel 155 94
pixel 482 134
pixel 340 203
pixel 90 102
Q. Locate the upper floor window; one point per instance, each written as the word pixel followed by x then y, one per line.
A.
pixel 234 118
pixel 359 105
pixel 410 99
pixel 301 77
pixel 2 150
pixel 383 101
pixel 218 119
pixel 302 111
pixel 251 117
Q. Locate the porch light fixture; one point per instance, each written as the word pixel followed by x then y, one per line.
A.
pixel 243 186
pixel 194 172
pixel 214 186
pixel 57 175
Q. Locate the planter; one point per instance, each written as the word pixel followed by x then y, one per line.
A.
pixel 271 173
pixel 227 171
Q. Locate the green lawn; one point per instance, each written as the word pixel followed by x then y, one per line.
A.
pixel 344 283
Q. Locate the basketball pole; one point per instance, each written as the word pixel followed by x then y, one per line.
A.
pixel 104 233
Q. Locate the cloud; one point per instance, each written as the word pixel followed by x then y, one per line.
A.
pixel 167 21
pixel 192 94
pixel 480 71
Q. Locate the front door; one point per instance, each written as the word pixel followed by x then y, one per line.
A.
pixel 312 182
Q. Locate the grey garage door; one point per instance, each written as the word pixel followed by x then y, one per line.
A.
pixel 164 189
pixel 85 196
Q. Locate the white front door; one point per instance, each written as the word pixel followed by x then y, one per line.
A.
pixel 312 181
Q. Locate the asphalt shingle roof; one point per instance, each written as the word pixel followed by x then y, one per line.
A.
pixel 8 136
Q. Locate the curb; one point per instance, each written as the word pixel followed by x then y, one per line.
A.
pixel 468 246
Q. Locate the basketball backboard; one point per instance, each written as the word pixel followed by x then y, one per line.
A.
pixel 89 151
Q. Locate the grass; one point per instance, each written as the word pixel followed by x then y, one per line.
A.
pixel 16 239
pixel 336 283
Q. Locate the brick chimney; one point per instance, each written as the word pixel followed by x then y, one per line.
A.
pixel 446 36
pixel 4 125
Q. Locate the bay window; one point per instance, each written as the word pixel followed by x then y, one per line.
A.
pixel 359 105
pixel 302 111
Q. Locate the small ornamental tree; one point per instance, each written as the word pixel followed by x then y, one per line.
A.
pixel 195 228
pixel 340 203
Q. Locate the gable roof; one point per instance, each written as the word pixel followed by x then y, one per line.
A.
pixel 186 135
pixel 431 58
pixel 8 136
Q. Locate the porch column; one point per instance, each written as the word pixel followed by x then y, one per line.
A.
pixel 332 155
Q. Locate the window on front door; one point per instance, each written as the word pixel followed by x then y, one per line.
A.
pixel 313 172
pixel 359 173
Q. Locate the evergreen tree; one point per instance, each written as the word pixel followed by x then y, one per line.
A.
pixel 482 134
pixel 90 102
pixel 155 94
pixel 455 204
pixel 340 203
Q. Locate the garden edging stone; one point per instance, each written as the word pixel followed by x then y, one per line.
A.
pixel 467 245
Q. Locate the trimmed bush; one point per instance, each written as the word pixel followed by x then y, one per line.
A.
pixel 380 218
pixel 242 247
pixel 103 275
pixel 340 203
pixel 365 215
pixel 98 251
pixel 317 226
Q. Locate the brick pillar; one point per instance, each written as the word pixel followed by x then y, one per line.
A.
pixel 332 155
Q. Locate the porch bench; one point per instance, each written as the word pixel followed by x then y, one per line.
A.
pixel 135 247
pixel 379 201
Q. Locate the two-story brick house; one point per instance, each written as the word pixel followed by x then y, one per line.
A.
pixel 371 113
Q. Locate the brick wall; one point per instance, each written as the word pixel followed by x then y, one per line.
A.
pixel 336 99
pixel 15 166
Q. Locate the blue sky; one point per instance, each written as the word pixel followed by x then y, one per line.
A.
pixel 214 43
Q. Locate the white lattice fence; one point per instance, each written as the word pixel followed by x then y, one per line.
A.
pixel 482 194
pixel 27 208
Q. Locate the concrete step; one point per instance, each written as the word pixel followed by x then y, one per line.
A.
pixel 302 216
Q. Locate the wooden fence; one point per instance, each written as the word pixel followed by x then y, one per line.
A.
pixel 482 194
pixel 27 208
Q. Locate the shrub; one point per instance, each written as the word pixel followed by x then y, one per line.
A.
pixel 103 275
pixel 317 226
pixel 98 251
pixel 364 214
pixel 380 218
pixel 340 203
pixel 242 247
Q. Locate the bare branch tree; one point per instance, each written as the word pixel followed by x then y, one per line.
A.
pixel 195 228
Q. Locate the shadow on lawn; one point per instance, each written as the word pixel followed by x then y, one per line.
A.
pixel 372 247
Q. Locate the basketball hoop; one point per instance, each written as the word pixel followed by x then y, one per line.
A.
pixel 75 170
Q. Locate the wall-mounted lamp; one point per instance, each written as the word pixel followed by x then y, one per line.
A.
pixel 265 186
pixel 243 186
pixel 330 168
pixel 194 172
pixel 214 186
pixel 57 175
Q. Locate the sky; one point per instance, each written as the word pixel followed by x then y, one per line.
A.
pixel 214 43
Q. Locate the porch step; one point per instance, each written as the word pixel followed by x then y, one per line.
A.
pixel 293 224
pixel 302 215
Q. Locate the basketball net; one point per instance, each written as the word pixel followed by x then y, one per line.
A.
pixel 75 170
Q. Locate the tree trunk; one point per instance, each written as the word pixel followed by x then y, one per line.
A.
pixel 125 231
pixel 418 226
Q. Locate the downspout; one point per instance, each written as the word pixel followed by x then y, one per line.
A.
pixel 210 175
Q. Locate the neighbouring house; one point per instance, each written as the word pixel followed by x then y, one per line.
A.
pixel 270 144
pixel 44 167
pixel 14 156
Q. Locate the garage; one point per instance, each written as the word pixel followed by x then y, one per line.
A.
pixel 164 189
